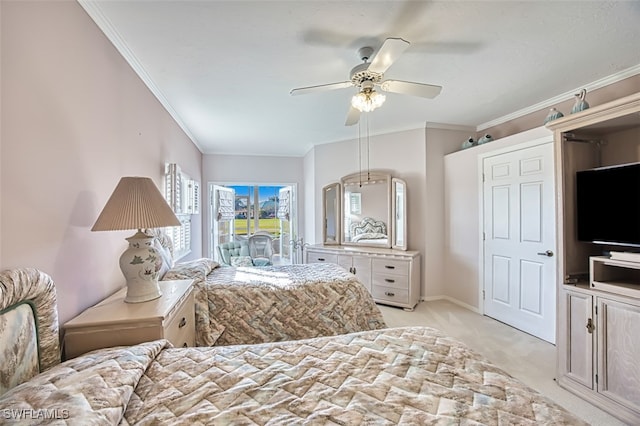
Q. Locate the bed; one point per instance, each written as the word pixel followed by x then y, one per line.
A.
pixel 413 375
pixel 369 230
pixel 239 305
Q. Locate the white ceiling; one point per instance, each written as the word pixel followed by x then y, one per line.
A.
pixel 224 69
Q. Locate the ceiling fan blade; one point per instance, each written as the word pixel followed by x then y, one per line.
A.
pixel 391 50
pixel 353 116
pixel 408 88
pixel 320 88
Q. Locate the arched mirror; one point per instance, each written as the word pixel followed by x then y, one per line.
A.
pixel 331 213
pixel 366 211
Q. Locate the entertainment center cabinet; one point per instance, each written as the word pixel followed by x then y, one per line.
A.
pixel 598 326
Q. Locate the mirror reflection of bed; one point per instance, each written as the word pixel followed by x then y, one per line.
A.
pixel 368 231
pixel 366 209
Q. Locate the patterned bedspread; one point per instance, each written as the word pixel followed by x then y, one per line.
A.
pixel 247 305
pixel 410 376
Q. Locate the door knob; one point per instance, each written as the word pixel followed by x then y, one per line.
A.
pixel 547 253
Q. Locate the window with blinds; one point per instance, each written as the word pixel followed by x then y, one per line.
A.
pixel 183 195
pixel 181 236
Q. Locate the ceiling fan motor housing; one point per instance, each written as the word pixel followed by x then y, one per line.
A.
pixel 360 74
pixel 365 53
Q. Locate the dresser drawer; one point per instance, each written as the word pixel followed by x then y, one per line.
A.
pixel 390 266
pixel 313 257
pixel 390 294
pixel 181 329
pixel 390 280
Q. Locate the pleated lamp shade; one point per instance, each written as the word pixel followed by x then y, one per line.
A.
pixel 136 203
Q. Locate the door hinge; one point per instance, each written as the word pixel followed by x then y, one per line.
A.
pixel 483 295
pixel 596 379
pixel 483 177
pixel 596 309
pixel 484 236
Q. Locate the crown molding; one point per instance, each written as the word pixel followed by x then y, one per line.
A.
pixel 614 78
pixel 446 126
pixel 95 13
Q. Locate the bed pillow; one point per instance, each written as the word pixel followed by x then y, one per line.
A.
pixel 165 256
pixel 261 261
pixel 241 261
pixel 369 236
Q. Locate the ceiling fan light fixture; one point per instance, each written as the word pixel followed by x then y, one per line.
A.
pixel 367 100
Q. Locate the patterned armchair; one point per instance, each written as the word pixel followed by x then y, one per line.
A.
pixel 234 249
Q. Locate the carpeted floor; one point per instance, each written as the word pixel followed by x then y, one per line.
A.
pixel 528 358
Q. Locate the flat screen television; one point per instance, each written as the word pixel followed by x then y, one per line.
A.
pixel 608 205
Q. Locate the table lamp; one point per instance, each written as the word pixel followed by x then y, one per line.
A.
pixel 136 203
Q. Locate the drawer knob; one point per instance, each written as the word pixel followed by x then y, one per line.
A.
pixel 321 259
pixel 389 280
pixel 389 267
pixel 590 326
pixel 183 322
pixel 388 293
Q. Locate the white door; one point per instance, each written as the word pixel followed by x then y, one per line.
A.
pixel 285 212
pixel 519 240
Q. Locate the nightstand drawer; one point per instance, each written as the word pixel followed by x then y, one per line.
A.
pixel 181 330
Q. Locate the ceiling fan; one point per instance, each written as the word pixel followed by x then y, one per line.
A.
pixel 368 75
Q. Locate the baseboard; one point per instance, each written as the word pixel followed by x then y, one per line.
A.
pixel 454 301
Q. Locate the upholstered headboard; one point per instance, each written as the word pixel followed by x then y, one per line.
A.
pixel 367 226
pixel 28 326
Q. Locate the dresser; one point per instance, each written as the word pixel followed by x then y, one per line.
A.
pixel 113 322
pixel 391 276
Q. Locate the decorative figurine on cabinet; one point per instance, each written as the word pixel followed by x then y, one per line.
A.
pixel 468 143
pixel 581 104
pixel 554 114
pixel 484 139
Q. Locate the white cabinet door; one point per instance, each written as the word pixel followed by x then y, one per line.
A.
pixel 360 266
pixel 579 337
pixel 519 239
pixel 618 349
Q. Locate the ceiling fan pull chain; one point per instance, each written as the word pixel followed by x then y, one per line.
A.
pixel 360 153
pixel 368 156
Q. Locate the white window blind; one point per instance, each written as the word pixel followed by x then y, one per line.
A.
pixel 226 206
pixel 284 207
pixel 181 236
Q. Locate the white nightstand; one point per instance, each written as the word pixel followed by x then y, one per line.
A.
pixel 113 322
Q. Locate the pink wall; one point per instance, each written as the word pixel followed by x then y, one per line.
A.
pixel 75 118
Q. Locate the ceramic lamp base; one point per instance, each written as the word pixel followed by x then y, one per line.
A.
pixel 140 264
